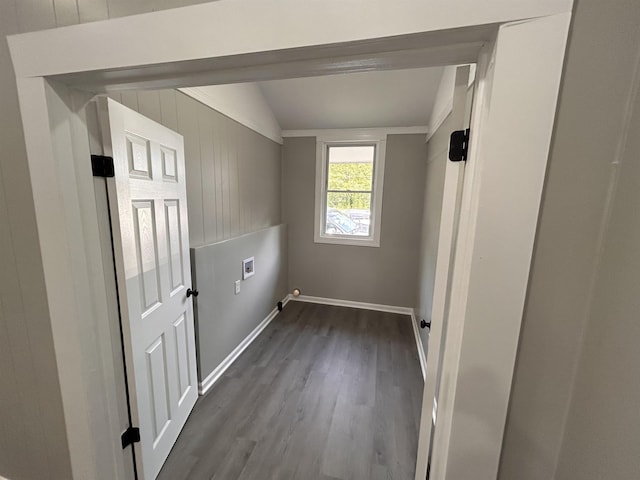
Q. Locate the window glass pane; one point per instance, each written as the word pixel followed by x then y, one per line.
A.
pixel 348 213
pixel 350 168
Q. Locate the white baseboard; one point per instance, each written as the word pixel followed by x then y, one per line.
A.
pixel 349 303
pixel 419 345
pixel 213 377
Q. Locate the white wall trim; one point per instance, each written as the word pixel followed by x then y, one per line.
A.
pixel 351 304
pixel 355 132
pixel 218 29
pixel 377 191
pixel 253 111
pixel 207 384
pixel 419 345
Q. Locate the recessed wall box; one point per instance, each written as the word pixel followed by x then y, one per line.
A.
pixel 248 268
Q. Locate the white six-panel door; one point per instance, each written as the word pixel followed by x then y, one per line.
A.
pixel 148 210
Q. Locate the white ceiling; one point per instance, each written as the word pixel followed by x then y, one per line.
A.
pixel 398 98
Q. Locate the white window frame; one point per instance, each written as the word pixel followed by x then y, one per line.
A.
pixel 350 138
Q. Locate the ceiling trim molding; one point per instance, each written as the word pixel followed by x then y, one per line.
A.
pixel 356 132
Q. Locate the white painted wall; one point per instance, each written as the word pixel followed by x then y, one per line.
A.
pixel 242 102
pixel 577 288
pixel 602 432
pixel 444 99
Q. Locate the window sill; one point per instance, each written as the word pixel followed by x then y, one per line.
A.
pixel 351 241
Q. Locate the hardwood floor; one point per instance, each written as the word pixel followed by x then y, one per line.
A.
pixel 327 393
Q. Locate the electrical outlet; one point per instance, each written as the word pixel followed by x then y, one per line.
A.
pixel 237 284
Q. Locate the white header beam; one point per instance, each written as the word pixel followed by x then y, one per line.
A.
pixel 227 27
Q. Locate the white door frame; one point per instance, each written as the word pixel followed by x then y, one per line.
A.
pixel 524 45
pixel 452 191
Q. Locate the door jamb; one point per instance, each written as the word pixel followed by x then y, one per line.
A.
pixel 103 215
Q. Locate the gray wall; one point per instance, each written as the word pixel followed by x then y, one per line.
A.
pixel 601 58
pixel 32 430
pixel 437 149
pixel 233 173
pixel 223 318
pixel 385 275
pixel 602 435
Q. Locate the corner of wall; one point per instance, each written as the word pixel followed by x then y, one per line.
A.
pixel 242 102
pixel 444 99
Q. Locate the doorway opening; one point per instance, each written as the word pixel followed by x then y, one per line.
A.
pixel 216 140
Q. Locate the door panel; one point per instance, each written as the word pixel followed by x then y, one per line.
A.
pixel 146 254
pixel 138 156
pixel 148 207
pixel 174 242
pixel 182 357
pixel 159 399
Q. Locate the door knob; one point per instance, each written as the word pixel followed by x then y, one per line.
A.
pixel 423 323
pixel 190 292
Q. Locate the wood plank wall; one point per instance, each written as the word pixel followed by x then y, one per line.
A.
pixel 233 173
pixel 41 14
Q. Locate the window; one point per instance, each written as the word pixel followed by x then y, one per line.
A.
pixel 349 177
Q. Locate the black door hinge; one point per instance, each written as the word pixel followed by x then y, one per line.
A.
pixel 459 145
pixel 102 166
pixel 130 436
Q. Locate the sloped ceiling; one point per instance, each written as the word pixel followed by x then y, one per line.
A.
pixel 398 98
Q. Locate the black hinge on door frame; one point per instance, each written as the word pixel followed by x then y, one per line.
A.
pixel 459 145
pixel 102 166
pixel 130 436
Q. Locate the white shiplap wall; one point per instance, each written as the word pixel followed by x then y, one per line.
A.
pixel 233 173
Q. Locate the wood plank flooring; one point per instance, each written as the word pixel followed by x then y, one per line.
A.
pixel 327 393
